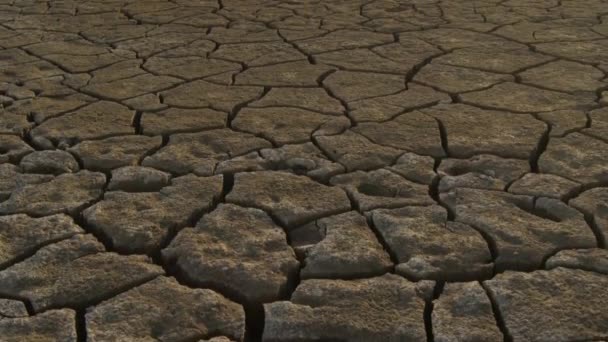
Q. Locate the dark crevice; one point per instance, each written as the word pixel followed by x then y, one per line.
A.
pixel 254 311
pixel 405 110
pixel 259 85
pixel 513 181
pixel 353 202
pixel 26 302
pixel 30 118
pixel 104 239
pixel 324 76
pixel 64 143
pixel 254 322
pixel 572 193
pixel 517 79
pixel 121 101
pixel 34 250
pixel 414 70
pixel 498 315
pixel 164 142
pixel 600 90
pixel 61 113
pixel 28 139
pixel 235 74
pixel 327 156
pixel 227 185
pixel 434 189
pixel 533 66
pixel 315 110
pixel 81 325
pixel 599 236
pixel 97 299
pixel 363 69
pixel 80 220
pixel 443 133
pixel 233 114
pixel 329 92
pixel 308 56
pixel 537 211
pixel 492 246
pixel 491 243
pixel 293 278
pixel 494 108
pixel 130 17
pixel 136 123
pixel 263 136
pixel 456 98
pixel 539 150
pixel 437 164
pixel 428 310
pixel 549 255
pixel 428 321
pixel 451 213
pixel 555 90
pixel 380 238
pixel 156 255
pixel 78 160
pixel 562 57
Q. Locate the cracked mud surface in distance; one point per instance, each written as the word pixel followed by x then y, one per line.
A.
pixel 303 170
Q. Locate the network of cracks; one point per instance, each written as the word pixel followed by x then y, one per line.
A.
pixel 304 170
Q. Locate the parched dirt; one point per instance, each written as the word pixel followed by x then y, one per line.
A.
pixel 303 170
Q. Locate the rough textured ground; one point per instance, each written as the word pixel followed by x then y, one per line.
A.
pixel 299 170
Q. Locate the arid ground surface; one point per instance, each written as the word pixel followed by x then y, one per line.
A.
pixel 300 170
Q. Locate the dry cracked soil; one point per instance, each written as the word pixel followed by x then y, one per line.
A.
pixel 303 170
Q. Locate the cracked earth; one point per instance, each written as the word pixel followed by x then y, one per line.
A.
pixel 303 170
